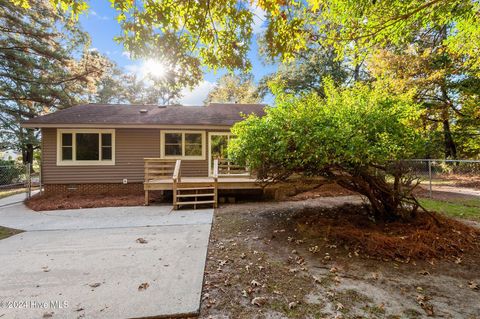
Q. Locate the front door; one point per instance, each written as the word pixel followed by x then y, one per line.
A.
pixel 218 142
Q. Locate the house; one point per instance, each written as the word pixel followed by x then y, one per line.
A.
pixel 100 148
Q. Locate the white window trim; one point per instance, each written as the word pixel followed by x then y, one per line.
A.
pixel 162 145
pixel 74 162
pixel 210 134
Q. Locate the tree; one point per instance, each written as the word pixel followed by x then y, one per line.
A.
pixel 216 34
pixel 355 136
pixel 45 65
pixel 234 89
pixel 129 88
pixel 446 87
pixel 306 73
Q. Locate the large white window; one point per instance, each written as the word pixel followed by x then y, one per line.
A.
pixel 183 144
pixel 85 147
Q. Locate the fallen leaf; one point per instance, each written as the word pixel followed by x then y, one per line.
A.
pixel 141 241
pixel 339 306
pixel 255 283
pixel 95 285
pixel 313 249
pixel 473 285
pixel 424 272
pixel 292 305
pixel 259 301
pixel 143 286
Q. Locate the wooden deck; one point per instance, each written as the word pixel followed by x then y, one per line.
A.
pixel 222 182
pixel 161 174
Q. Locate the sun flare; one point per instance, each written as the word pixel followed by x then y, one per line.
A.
pixel 154 68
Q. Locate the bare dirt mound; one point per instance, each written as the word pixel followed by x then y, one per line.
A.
pixel 423 238
pixel 76 201
pixel 324 190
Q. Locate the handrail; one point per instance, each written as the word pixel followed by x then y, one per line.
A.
pixel 176 171
pixel 228 168
pixel 215 182
pixel 215 168
pixel 176 179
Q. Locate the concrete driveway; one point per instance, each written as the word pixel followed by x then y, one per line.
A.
pixel 129 262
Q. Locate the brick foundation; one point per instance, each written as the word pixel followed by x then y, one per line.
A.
pixel 113 189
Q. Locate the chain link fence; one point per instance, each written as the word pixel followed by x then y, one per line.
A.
pixel 440 174
pixel 17 178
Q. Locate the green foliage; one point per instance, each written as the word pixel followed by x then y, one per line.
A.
pixel 45 65
pixel 355 136
pixel 119 87
pixel 354 127
pixel 306 73
pixel 447 89
pixel 216 34
pixel 234 89
pixel 10 172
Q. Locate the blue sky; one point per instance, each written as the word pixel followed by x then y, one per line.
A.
pixel 101 24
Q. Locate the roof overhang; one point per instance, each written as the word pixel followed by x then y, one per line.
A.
pixel 133 126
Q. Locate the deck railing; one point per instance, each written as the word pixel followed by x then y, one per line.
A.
pixel 177 178
pixel 215 181
pixel 229 168
pixel 156 168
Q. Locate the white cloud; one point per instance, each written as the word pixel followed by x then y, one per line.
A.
pixel 259 16
pixel 198 94
pixel 99 17
pixel 133 68
pixel 126 54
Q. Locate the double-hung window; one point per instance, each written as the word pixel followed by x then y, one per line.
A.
pixel 85 147
pixel 183 144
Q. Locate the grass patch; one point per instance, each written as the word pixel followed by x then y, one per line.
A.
pixel 7 232
pixel 10 192
pixel 460 208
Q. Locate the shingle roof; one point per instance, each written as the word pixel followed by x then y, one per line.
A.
pixel 128 114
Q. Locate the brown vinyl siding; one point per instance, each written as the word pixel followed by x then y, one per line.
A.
pixel 131 147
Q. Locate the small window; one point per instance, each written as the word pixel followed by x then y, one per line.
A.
pixel 106 147
pixel 193 144
pixel 67 147
pixel 183 144
pixel 173 144
pixel 83 147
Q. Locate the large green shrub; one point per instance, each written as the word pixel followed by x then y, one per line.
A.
pixel 355 136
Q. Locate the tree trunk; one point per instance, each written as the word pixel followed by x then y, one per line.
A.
pixel 449 143
pixel 450 147
pixel 27 154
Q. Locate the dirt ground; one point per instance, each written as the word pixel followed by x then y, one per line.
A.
pixel 265 261
pixel 75 201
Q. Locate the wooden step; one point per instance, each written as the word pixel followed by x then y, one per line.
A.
pixel 195 195
pixel 194 188
pixel 197 203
